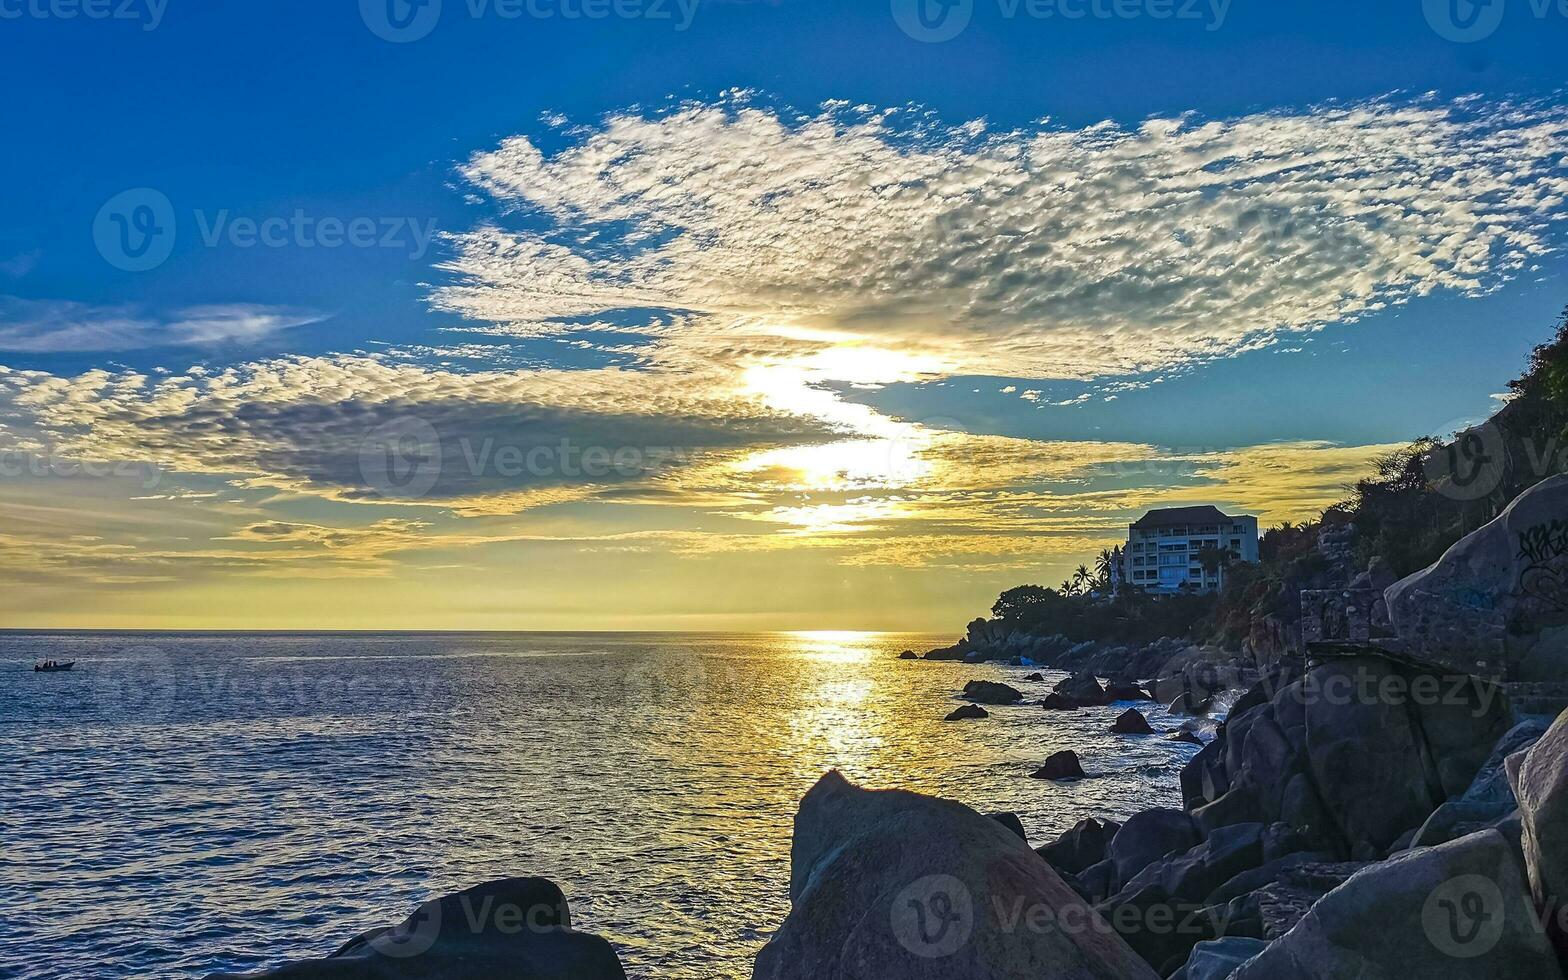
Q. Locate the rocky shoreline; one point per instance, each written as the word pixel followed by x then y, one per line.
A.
pixel 1370 808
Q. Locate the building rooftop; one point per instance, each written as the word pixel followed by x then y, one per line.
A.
pixel 1168 516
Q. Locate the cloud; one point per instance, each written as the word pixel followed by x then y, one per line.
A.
pixel 20 265
pixel 52 327
pixel 1043 252
pixel 371 428
pixel 732 270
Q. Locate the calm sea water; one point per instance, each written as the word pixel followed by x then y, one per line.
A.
pixel 183 803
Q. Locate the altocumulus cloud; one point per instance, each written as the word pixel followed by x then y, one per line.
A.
pixel 1043 252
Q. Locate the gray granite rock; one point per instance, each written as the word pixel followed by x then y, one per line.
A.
pixel 1541 785
pixel 1217 959
pixel 899 886
pixel 1459 911
pixel 1496 603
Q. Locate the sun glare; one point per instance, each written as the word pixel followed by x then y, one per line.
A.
pixel 835 646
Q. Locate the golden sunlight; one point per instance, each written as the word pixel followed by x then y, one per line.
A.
pixel 835 646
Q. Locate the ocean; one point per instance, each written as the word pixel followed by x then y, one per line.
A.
pixel 184 803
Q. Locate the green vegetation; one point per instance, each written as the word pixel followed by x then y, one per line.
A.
pixel 1417 502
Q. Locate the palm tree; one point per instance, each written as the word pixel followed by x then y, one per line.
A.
pixel 1082 578
pixel 1214 561
pixel 1104 566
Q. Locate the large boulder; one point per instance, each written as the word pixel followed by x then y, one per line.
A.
pixel 1175 888
pixel 1082 846
pixel 1217 959
pixel 900 886
pixel 967 712
pixel 1060 765
pixel 1082 689
pixel 1148 836
pixel 1192 875
pixel 1459 911
pixel 1366 756
pixel 512 929
pixel 1491 783
pixel 1541 784
pixel 1010 820
pixel 1496 603
pixel 1258 768
pixel 1131 722
pixel 1456 819
pixel 1125 690
pixel 1354 755
pixel 1489 799
pixel 1388 744
pixel 991 692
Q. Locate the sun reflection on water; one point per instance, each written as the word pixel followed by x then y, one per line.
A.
pixel 837 646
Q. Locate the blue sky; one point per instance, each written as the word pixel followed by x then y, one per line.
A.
pixel 262 109
pixel 299 113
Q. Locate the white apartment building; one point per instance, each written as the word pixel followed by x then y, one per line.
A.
pixel 1163 545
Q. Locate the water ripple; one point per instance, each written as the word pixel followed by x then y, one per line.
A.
pixel 183 803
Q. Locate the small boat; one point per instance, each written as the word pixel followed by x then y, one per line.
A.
pixel 52 666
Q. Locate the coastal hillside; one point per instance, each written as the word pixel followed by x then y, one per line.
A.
pixel 1399 519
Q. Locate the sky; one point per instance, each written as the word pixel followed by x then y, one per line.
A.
pixel 731 315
